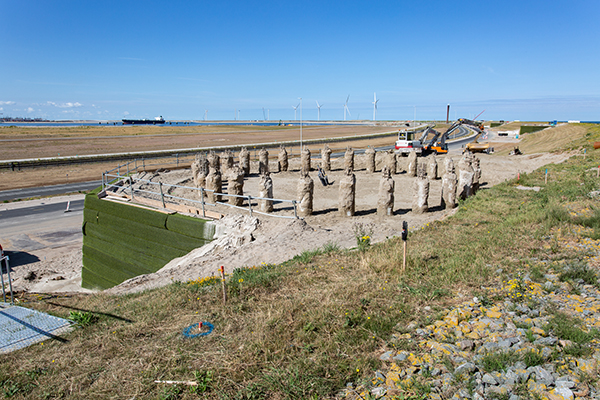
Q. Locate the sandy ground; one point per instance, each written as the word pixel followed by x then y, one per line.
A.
pixel 266 239
pixel 44 249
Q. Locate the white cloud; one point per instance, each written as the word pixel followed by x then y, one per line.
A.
pixel 30 110
pixel 65 105
pixel 7 103
pixel 1 109
pixel 126 113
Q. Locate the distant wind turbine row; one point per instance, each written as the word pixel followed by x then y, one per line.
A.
pixel 346 110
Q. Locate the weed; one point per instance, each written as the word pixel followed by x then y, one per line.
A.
pixel 498 361
pixel 537 274
pixel 532 358
pixel 331 247
pixel 82 318
pixel 447 362
pixel 363 234
pixel 577 350
pixel 204 379
pixel 568 328
pixel 10 388
pixel 306 256
pixel 577 271
pixel 529 335
pixel 171 393
pixel 309 327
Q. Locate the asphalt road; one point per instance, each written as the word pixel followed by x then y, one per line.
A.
pixel 49 211
pixel 44 191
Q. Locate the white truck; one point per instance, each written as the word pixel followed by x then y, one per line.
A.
pixel 406 143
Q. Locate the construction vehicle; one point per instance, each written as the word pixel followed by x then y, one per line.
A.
pixel 406 143
pixel 436 144
pixel 476 147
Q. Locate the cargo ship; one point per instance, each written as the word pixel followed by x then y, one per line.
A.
pixel 157 120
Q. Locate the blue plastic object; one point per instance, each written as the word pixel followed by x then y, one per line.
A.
pixel 187 331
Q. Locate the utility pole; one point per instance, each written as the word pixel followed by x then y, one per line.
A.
pixel 300 123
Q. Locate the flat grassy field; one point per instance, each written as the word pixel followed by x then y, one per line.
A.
pixel 305 328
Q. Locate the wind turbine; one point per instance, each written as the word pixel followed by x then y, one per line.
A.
pixel 205 114
pixel 375 106
pixel 295 108
pixel 264 115
pixel 346 108
pixel 319 110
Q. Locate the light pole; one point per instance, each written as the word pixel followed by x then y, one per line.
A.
pixel 415 120
pixel 300 123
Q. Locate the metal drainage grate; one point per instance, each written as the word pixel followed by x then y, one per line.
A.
pixel 21 327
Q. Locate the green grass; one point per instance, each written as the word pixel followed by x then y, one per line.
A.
pixel 498 361
pixel 305 328
pixel 570 328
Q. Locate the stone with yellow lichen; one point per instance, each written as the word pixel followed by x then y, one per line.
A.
pixel 534 387
pixel 473 335
pixel 537 331
pixel 392 378
pixel 587 366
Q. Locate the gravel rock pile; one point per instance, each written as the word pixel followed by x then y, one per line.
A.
pixel 535 340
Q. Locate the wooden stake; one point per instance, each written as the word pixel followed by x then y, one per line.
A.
pixel 223 283
pixel 546 177
pixel 404 239
pixel 598 173
pixel 189 383
pixel 404 258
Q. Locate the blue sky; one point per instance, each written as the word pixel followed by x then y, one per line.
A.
pixel 527 60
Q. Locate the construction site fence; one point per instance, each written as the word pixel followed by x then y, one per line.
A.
pixel 111 181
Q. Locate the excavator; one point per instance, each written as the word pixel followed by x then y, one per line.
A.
pixel 437 144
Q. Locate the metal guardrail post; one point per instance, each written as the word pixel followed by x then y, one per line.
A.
pixel 131 188
pixel 250 204
pixel 2 277
pixel 202 201
pixel 5 259
pixel 162 196
pixel 295 210
pixel 12 300
pixel 177 158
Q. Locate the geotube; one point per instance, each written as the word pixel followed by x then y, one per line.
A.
pixel 187 332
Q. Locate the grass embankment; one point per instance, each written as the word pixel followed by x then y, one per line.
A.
pixel 560 138
pixel 305 328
